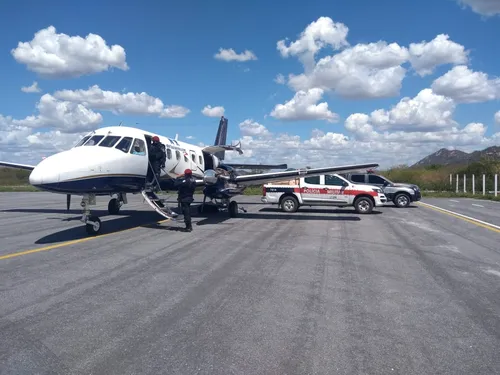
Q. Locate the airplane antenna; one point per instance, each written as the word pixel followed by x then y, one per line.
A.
pixel 177 137
pixel 120 124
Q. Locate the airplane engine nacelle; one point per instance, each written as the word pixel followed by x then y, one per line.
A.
pixel 210 177
pixel 211 161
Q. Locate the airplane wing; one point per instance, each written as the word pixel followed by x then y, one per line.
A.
pixel 257 166
pixel 261 178
pixel 255 179
pixel 17 165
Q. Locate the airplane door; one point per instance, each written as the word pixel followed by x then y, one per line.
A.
pixel 311 189
pixel 139 163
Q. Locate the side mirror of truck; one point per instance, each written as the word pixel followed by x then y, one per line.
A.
pixel 345 183
pixel 386 183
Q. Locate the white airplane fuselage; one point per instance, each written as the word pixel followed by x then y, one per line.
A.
pixel 115 159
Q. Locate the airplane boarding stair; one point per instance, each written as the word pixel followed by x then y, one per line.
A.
pixel 157 204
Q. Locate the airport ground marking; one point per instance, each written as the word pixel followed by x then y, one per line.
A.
pixel 73 242
pixel 483 224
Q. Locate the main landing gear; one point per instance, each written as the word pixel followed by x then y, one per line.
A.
pixel 92 222
pixel 226 205
pixel 115 204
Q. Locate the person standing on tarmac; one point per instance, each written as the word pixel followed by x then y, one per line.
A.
pixel 157 158
pixel 186 187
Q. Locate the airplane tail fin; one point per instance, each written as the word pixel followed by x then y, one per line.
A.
pixel 220 138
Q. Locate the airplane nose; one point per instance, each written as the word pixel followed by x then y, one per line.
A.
pixel 44 173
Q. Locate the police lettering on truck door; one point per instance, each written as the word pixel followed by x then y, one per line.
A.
pixel 311 189
pixel 336 191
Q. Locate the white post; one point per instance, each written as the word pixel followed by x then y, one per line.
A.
pixel 451 180
pixel 496 185
pixel 473 185
pixel 457 183
pixel 484 184
pixel 465 178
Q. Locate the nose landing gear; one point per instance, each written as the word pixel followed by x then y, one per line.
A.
pixel 92 222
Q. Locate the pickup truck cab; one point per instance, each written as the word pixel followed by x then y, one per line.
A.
pixel 324 190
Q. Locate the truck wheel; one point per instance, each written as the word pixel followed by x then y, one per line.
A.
pixel 363 205
pixel 402 200
pixel 289 204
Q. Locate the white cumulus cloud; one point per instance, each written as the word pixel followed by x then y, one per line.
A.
pixel 304 106
pixel 465 86
pixel 280 79
pixel 53 55
pixel 364 70
pixel 231 55
pixel 426 56
pixel 425 112
pixel 118 103
pixel 497 118
pixel 210 111
pixel 31 89
pixel 253 128
pixel 482 7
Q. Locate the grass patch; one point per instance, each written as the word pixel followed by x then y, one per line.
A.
pixel 447 194
pixel 19 188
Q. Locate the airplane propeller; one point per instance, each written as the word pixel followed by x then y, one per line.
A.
pixel 68 201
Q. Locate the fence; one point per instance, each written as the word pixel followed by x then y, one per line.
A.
pixel 488 184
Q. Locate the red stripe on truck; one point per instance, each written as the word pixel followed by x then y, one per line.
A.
pixel 333 191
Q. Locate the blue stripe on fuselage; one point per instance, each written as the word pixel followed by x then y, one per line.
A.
pixel 97 185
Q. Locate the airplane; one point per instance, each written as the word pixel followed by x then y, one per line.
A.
pixel 114 161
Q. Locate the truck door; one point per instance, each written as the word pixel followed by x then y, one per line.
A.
pixel 336 189
pixel 311 189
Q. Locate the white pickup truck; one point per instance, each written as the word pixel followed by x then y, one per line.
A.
pixel 325 190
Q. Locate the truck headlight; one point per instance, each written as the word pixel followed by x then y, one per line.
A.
pixel 377 190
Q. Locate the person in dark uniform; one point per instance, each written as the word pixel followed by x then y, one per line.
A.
pixel 157 158
pixel 186 186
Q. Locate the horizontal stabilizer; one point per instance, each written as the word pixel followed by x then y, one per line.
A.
pixel 219 148
pixel 17 165
pixel 257 166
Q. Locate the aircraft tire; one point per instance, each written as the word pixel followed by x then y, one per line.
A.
pixel 114 206
pixel 233 209
pixel 90 227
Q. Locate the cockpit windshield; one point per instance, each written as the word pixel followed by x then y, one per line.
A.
pixel 82 141
pixel 94 140
pixel 109 141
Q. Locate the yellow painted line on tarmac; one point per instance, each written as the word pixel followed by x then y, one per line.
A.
pixel 73 242
pixel 468 219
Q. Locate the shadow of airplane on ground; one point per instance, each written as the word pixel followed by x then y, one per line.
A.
pixel 130 219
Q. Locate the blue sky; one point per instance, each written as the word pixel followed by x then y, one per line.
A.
pixel 170 49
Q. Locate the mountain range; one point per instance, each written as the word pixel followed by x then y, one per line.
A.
pixel 457 157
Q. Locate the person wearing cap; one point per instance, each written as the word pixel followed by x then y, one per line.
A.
pixel 157 158
pixel 186 186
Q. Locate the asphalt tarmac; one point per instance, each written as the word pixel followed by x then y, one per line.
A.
pixel 320 291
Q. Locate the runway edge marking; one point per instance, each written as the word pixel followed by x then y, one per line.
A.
pixel 72 242
pixel 484 224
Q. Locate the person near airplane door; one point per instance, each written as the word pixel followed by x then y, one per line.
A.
pixel 157 158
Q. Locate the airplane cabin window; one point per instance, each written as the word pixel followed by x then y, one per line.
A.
pixel 177 155
pixel 124 144
pixel 185 158
pixel 193 157
pixel 200 159
pixel 94 140
pixel 312 180
pixel 139 147
pixel 109 141
pixel 333 180
pixel 358 178
pixel 169 153
pixel 82 141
